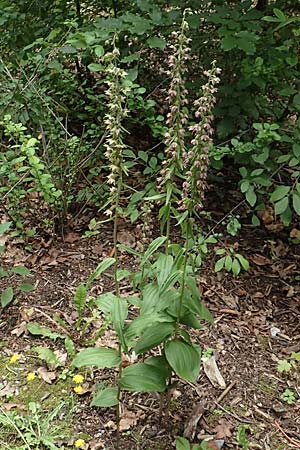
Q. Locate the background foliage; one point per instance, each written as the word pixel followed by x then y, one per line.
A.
pixel 52 81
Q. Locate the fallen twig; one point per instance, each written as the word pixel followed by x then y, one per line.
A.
pixel 295 444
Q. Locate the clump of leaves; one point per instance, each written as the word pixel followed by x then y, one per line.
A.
pixel 230 261
pixel 292 365
pixel 288 396
pixel 34 430
pixel 7 295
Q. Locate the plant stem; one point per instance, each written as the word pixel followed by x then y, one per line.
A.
pixel 167 234
pixel 182 287
pixel 117 289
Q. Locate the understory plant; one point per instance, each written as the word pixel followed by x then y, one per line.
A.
pixel 25 180
pixel 153 343
pixel 11 274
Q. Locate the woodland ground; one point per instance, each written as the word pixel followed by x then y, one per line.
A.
pixel 246 312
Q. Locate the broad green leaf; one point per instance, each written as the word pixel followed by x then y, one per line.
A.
pixel 278 13
pixel 21 270
pixel 154 336
pixel 163 266
pixel 47 355
pixel 170 281
pixel 182 444
pixel 190 319
pixel 38 330
pixel 69 346
pixel 156 42
pixel 102 267
pixel 132 74
pixel 228 43
pixel 99 50
pixel 80 297
pixel 245 184
pixel 150 298
pixel 251 196
pixel 122 273
pixel 7 296
pixel 97 357
pixel 220 264
pixel 296 101
pixel 193 288
pixel 236 268
pixel 255 220
pixel 142 377
pixel 4 227
pixel 228 263
pixel 158 242
pixel 286 216
pixel 243 261
pixel 279 193
pixel 206 314
pixel 296 202
pixel 106 398
pixel 296 150
pixel 248 46
pixel 192 304
pixel 296 356
pixel 160 363
pixel 26 287
pixel 140 323
pixel 281 206
pixel 119 312
pixel 184 359
pixel 270 19
pixel 283 366
pixel 105 302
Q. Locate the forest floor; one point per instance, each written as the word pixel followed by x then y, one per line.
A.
pixel 256 324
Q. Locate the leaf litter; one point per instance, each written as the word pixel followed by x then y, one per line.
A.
pixel 246 310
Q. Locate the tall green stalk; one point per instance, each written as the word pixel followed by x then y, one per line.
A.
pixel 116 94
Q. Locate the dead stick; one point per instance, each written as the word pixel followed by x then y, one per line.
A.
pixel 296 444
pixel 224 393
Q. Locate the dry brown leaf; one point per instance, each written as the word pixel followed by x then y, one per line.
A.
pixel 126 238
pixel 223 429
pixel 71 237
pixel 46 375
pixel 111 425
pixel 96 444
pixel 215 444
pixel 260 260
pixel 8 406
pixel 295 233
pixel 27 314
pixel 129 419
pixel 277 226
pixel 61 356
pixel 20 329
pixel 266 215
pixel 213 373
pixel 7 390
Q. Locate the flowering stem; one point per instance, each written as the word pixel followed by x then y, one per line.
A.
pixel 114 145
pixel 182 286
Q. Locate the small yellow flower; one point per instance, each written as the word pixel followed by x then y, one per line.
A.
pixel 31 376
pixel 78 379
pixel 14 358
pixel 78 389
pixel 79 443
